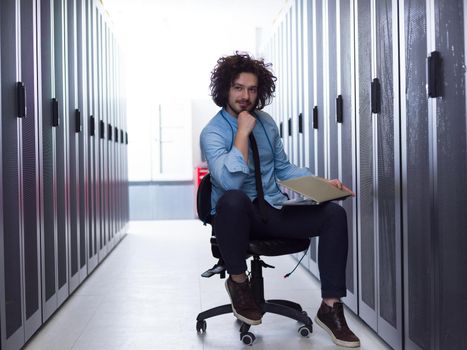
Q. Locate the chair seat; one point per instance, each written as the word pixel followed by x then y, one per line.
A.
pixel 276 247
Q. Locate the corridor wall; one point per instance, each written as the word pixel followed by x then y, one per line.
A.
pixel 384 110
pixel 64 187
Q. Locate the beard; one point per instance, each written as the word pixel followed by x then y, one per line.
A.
pixel 248 106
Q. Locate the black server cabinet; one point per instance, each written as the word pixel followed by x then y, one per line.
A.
pixel 11 269
pixel 20 293
pixel 74 127
pixel 108 138
pixel 316 62
pixel 109 132
pixel 287 77
pixel 308 100
pixel 380 301
pixel 309 88
pixel 103 139
pixel 365 189
pixel 82 128
pixel 434 160
pixel 294 78
pixel 449 147
pixel 113 143
pixel 286 80
pixel 330 69
pixel 50 119
pixel 92 135
pixel 417 202
pixel 300 83
pixel 343 116
pixel 99 133
pixel 62 149
pixel 319 19
pixel 30 169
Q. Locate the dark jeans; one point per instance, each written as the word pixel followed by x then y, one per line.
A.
pixel 237 221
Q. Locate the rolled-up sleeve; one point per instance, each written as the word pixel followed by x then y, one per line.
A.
pixel 227 167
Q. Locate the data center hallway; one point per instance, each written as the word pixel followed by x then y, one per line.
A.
pixel 148 292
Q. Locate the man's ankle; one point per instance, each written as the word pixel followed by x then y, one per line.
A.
pixel 330 301
pixel 239 278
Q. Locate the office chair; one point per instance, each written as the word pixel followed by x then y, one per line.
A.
pixel 270 247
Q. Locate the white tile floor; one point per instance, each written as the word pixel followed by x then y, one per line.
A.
pixel 148 292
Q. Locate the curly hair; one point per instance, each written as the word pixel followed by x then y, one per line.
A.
pixel 228 69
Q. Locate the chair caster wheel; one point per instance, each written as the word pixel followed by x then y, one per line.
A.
pixel 305 331
pixel 201 326
pixel 247 338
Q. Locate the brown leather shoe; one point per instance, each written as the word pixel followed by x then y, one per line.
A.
pixel 332 320
pixel 244 306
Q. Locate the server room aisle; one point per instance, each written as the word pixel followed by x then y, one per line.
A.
pixel 148 292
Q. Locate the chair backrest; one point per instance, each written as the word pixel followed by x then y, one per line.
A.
pixel 203 207
pixel 203 199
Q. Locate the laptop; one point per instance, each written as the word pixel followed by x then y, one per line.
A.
pixel 313 190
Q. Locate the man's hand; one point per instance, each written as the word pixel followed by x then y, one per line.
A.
pixel 341 186
pixel 246 123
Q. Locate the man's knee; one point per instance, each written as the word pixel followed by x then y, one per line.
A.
pixel 336 213
pixel 233 201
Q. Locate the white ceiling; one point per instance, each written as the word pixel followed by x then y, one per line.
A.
pixel 258 13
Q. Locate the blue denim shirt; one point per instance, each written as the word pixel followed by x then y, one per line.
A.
pixel 228 168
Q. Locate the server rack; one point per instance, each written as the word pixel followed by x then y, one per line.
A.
pixel 331 71
pixel 378 161
pixel 82 128
pixel 400 144
pixel 62 148
pixel 11 293
pixel 74 127
pixel 293 78
pixel 316 62
pixel 434 123
pixel 100 135
pixel 300 82
pixel 92 136
pixel 20 284
pixel 343 116
pixel 49 121
pixel 47 219
pixel 308 101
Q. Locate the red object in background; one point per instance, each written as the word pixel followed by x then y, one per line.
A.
pixel 200 172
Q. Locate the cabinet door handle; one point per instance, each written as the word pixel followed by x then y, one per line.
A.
pixel 375 96
pixel 77 120
pixel 300 123
pixel 21 99
pixel 289 124
pixel 281 129
pixel 92 126
pixel 116 134
pixel 109 132
pixel 315 117
pixel 101 129
pixel 339 109
pixel 55 116
pixel 434 65
pixel 121 136
pixel 126 136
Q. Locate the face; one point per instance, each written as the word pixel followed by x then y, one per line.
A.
pixel 243 94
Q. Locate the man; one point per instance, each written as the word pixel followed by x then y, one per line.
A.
pixel 242 86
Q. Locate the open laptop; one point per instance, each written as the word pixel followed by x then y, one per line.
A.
pixel 313 190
